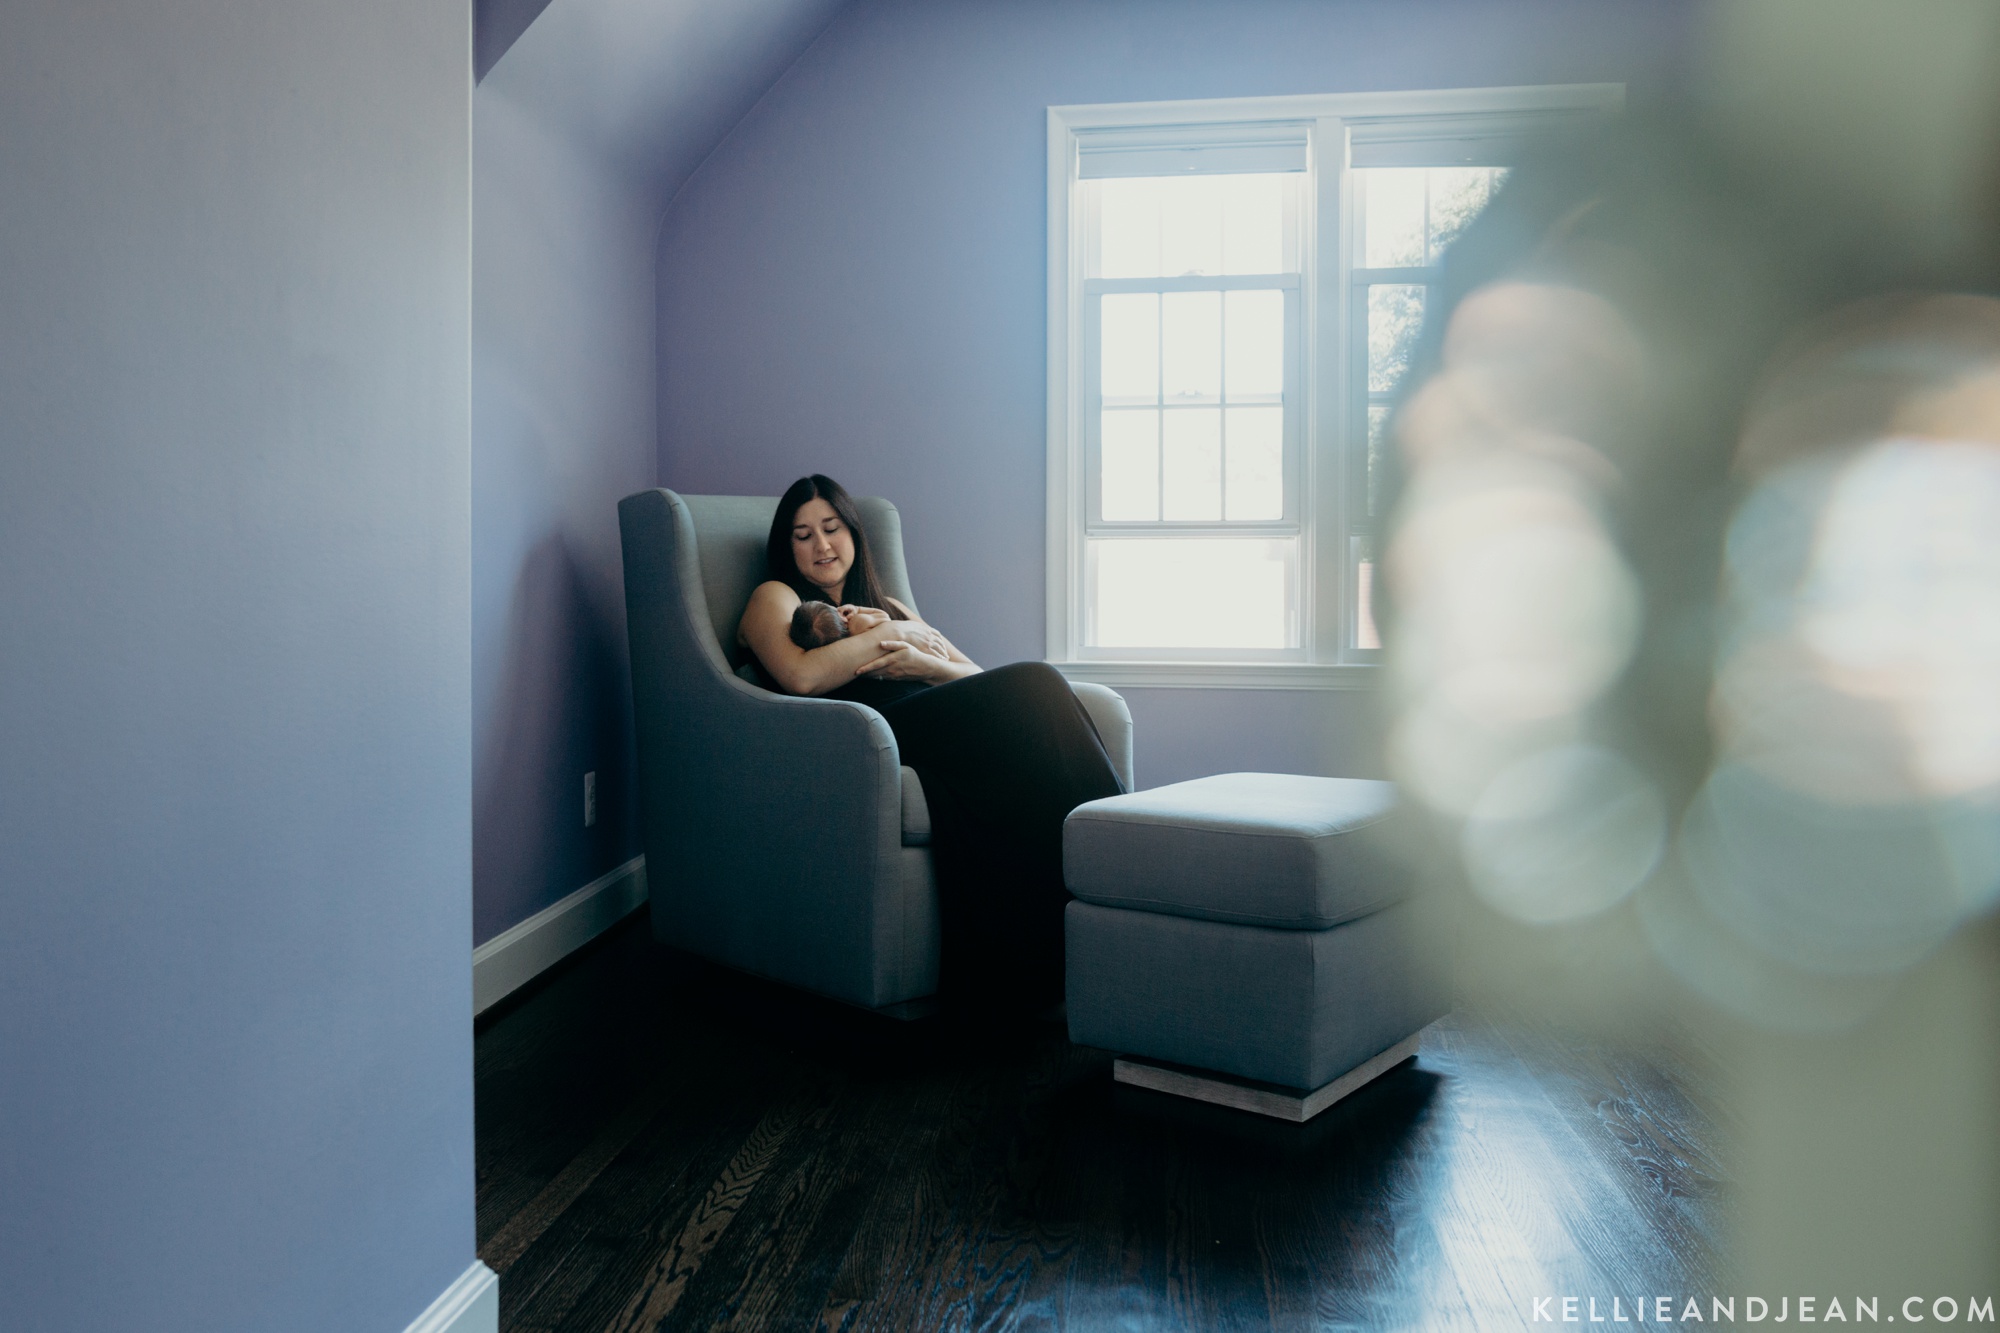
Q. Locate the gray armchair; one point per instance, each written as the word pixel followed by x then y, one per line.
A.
pixel 782 834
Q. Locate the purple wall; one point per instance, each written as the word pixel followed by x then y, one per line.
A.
pixel 562 421
pixel 854 281
pixel 596 114
pixel 235 750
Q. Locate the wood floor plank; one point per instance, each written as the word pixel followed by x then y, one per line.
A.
pixel 663 1148
pixel 584 1269
pixel 967 1252
pixel 1003 1243
pixel 657 1294
pixel 910 1118
pixel 1365 1217
pixel 1587 1183
pixel 1642 1123
pixel 526 1226
pixel 789 1252
pixel 551 1073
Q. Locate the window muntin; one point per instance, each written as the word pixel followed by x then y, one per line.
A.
pixel 1153 446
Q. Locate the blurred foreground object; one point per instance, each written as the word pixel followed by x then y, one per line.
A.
pixel 1692 603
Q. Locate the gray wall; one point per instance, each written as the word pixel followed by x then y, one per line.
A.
pixel 235 753
pixel 595 115
pixel 854 282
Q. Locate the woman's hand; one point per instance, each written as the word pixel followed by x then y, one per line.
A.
pixel 902 659
pixel 924 637
pixel 917 631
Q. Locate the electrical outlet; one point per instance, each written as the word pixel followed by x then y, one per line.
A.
pixel 590 800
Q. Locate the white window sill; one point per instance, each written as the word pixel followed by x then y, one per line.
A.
pixel 1224 675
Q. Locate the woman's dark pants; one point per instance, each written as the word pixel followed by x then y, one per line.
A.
pixel 1004 756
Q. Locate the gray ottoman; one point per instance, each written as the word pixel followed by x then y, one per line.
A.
pixel 1249 939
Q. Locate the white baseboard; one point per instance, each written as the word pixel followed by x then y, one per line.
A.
pixel 469 1305
pixel 519 954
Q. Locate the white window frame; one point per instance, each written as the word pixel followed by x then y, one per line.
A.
pixel 1328 387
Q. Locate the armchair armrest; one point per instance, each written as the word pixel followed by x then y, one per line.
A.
pixel 1114 724
pixel 777 835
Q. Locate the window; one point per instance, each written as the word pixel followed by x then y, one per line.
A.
pixel 1405 218
pixel 1235 290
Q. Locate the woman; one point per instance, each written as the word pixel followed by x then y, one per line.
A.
pixel 1004 755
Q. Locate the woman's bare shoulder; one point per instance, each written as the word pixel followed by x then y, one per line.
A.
pixel 770 601
pixel 771 590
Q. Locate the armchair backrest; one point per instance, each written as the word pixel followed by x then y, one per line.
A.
pixel 730 531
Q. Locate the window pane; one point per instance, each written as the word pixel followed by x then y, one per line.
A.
pixel 1129 334
pixel 1395 317
pixel 1413 213
pixel 1256 459
pixel 1191 458
pixel 1393 222
pixel 1378 427
pixel 1254 340
pixel 1128 228
pixel 1180 592
pixel 1191 225
pixel 1129 444
pixel 1191 346
pixel 1253 224
pixel 1457 196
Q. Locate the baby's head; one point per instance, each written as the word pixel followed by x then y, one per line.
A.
pixel 816 624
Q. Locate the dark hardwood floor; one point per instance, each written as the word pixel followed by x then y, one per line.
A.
pixel 663 1145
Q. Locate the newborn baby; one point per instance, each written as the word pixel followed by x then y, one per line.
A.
pixel 816 624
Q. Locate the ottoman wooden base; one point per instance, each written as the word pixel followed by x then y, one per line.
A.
pixel 1262 1098
pixel 1251 940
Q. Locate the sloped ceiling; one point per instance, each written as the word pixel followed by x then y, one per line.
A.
pixel 650 85
pixel 495 26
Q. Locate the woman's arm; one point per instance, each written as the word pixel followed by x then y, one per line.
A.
pixel 767 631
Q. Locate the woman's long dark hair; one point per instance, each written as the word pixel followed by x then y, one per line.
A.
pixel 862 588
